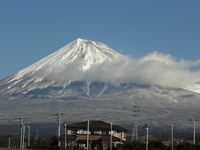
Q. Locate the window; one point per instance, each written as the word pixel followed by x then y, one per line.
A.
pixel 104 133
pixel 97 132
pixel 74 132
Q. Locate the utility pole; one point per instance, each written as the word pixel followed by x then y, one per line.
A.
pixel 29 129
pixel 65 126
pixel 172 136
pixel 23 136
pixel 111 136
pixel 147 140
pixel 37 134
pixel 59 124
pixel 21 122
pixel 135 112
pixel 88 132
pixel 9 143
pixel 194 129
pixel 147 143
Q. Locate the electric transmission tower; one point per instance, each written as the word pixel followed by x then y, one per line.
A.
pixel 135 114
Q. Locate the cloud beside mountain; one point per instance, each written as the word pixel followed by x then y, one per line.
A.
pixel 154 68
pixel 163 69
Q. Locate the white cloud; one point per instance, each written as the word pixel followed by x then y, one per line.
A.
pixel 167 71
pixel 154 68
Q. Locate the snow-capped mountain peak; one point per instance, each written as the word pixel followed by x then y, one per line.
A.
pixel 78 55
pixel 88 52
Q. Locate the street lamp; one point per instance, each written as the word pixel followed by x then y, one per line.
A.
pixel 147 140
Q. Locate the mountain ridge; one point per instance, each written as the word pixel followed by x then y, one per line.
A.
pixel 95 91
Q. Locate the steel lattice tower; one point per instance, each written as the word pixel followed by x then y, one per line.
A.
pixel 135 114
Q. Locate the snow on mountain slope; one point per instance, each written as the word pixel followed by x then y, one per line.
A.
pixel 195 88
pixel 68 64
pixel 79 54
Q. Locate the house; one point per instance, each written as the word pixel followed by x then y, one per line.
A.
pixel 99 136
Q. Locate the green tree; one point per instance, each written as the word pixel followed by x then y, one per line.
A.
pixel 135 145
pixel 157 145
pixel 185 146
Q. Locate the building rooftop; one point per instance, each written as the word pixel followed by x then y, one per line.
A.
pixel 96 125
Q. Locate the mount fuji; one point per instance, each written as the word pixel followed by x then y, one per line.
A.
pixel 88 80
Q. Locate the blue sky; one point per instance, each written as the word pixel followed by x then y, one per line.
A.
pixel 32 29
